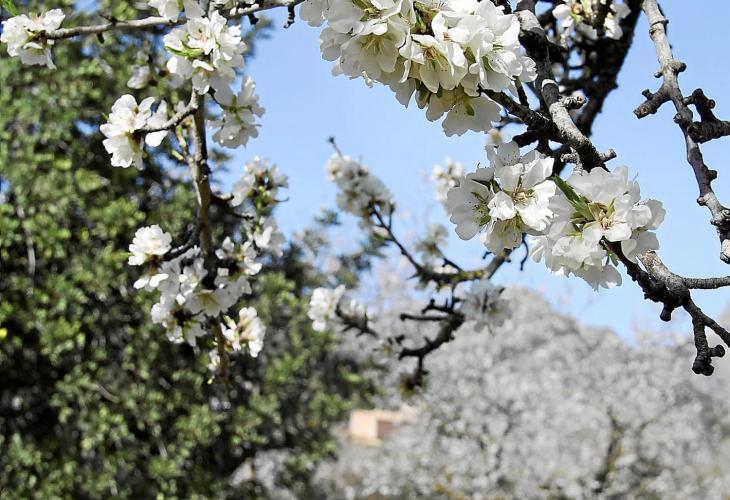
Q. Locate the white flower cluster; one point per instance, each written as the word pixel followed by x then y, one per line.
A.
pixel 576 19
pixel 483 305
pixel 238 122
pixel 260 181
pixel 323 307
pixel 206 50
pixel 359 191
pixel 327 304
pixel 209 52
pixel 258 175
pixel 592 208
pixel 446 177
pixel 23 35
pixel 192 296
pixel 506 200
pixel 571 228
pixel 149 243
pixel 247 332
pixel 444 51
pixel 124 140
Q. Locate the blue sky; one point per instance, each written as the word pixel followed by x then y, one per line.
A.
pixel 305 104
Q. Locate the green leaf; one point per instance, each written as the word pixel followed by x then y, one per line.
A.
pixel 186 52
pixel 566 188
pixel 578 202
pixel 587 7
pixel 10 7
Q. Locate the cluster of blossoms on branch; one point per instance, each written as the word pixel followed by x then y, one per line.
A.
pixel 446 52
pixel 208 52
pixel 364 195
pixel 459 58
pixel 507 199
pixel 578 19
pixel 575 226
pixel 596 213
pixel 205 50
pixel 23 33
pixel 190 295
pixel 197 286
pixel 483 304
pixel 329 308
pixel 445 177
pixel 123 139
pixel 360 192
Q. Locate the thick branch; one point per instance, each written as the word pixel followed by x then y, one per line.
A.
pixel 137 24
pixel 201 179
pixel 238 12
pixel 159 22
pixel 535 41
pixel 670 91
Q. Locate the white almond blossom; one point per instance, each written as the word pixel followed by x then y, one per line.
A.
pixel 238 122
pixel 468 202
pixel 248 332
pixel 507 200
pixel 244 255
pixel 184 275
pixel 207 50
pixel 353 309
pixel 576 18
pixel 186 330
pixel 22 36
pixel 483 305
pixel 312 12
pixel 167 8
pixel 171 8
pixel 123 139
pixel 140 78
pixel 593 208
pixel 150 281
pixel 268 237
pixel 521 205
pixel 258 174
pixel 214 301
pixel 446 52
pixel 323 307
pixel 438 64
pixel 149 243
pixel 446 177
pixel 359 190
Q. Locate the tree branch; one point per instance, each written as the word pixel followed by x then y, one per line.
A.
pixel 670 91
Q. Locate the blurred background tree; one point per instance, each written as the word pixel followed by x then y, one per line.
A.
pixel 94 400
pixel 543 408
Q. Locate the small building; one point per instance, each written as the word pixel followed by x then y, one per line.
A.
pixel 371 427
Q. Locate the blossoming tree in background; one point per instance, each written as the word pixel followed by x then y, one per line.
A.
pixel 547 409
pixel 543 69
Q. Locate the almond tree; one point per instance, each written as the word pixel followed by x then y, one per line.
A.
pixel 545 408
pixel 542 68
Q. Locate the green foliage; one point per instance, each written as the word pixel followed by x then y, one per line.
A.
pixel 94 401
pixel 9 6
